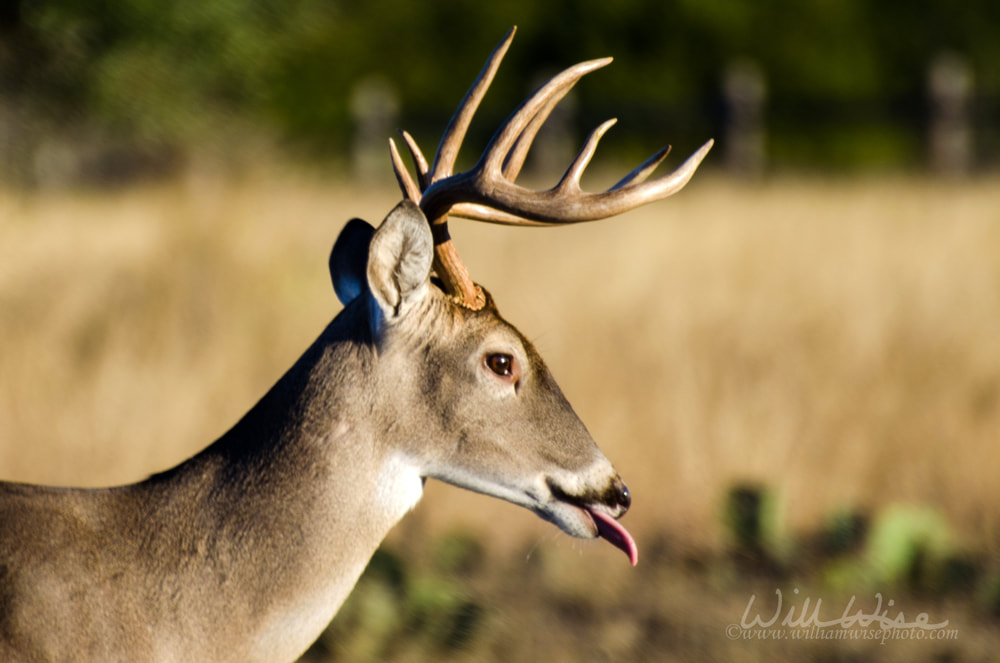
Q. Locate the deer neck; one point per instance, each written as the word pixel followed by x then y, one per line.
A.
pixel 303 489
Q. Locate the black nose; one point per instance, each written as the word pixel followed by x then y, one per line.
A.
pixel 622 497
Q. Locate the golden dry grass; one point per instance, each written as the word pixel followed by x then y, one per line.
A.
pixel 837 341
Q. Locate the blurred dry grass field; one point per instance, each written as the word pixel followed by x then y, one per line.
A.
pixel 838 342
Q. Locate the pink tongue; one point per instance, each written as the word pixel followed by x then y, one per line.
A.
pixel 610 529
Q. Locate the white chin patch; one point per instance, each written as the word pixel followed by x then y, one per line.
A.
pixel 399 486
pixel 572 520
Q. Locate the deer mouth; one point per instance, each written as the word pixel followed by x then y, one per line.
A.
pixel 586 519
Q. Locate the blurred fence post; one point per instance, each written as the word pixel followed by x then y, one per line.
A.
pixel 950 86
pixel 6 142
pixel 745 92
pixel 11 143
pixel 374 110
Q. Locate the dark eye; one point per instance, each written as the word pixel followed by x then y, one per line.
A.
pixel 501 364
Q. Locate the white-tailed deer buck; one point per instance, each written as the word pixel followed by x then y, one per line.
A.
pixel 246 551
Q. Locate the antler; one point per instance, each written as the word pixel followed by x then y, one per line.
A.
pixel 487 192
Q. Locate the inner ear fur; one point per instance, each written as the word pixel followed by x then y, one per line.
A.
pixel 399 260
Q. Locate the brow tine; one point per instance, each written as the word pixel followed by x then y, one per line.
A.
pixel 410 189
pixel 418 159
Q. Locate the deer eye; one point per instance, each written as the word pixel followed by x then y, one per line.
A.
pixel 501 364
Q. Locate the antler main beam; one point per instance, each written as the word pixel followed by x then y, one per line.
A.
pixel 488 192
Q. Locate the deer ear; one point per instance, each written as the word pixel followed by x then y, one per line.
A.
pixel 349 260
pixel 399 260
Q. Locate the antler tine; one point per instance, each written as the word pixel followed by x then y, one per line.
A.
pixel 410 189
pixel 570 182
pixel 643 170
pixel 557 88
pixel 454 134
pixel 423 174
pixel 515 160
pixel 641 193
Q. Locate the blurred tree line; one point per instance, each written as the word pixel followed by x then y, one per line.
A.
pixel 152 82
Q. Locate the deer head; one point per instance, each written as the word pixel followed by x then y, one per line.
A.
pixel 480 384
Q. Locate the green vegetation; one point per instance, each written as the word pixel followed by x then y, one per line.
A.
pixel 846 80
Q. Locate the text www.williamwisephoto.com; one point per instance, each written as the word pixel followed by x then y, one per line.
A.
pixel 807 618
